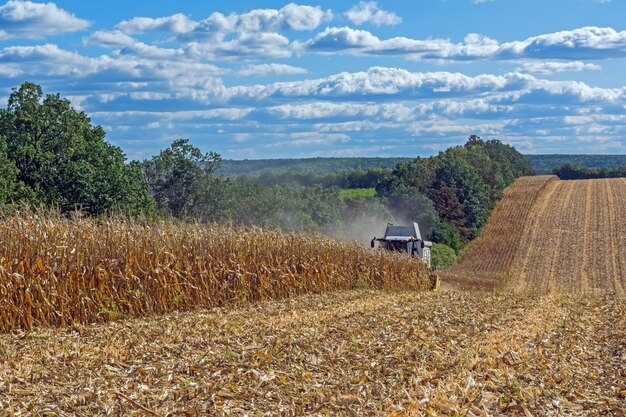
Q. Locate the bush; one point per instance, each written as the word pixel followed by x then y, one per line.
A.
pixel 445 233
pixel 442 256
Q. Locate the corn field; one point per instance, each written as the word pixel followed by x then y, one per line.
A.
pixel 59 271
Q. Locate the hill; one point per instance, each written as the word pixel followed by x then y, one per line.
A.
pixel 552 236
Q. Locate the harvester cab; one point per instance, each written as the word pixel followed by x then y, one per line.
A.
pixel 405 239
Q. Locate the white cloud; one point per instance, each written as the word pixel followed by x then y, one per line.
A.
pixel 26 19
pixel 340 39
pixel 392 82
pixel 108 39
pixel 262 70
pixel 177 23
pixel 248 46
pixel 319 110
pixel 292 16
pixel 162 68
pixel 589 42
pixel 551 67
pixel 579 44
pixel 370 12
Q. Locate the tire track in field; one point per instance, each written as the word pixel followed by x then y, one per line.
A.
pixel 584 276
pixel 614 236
pixel 565 227
pixel 530 234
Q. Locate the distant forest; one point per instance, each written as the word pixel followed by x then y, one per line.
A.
pixel 542 164
pixel 306 166
pixel 545 164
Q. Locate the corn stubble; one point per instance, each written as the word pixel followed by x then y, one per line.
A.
pixel 347 353
pixel 58 271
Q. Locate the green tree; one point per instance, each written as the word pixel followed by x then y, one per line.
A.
pixel 179 178
pixel 8 174
pixel 471 191
pixel 62 159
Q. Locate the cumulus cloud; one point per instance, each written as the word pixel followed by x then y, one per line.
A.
pixel 262 70
pixel 370 12
pixel 108 39
pixel 589 42
pixel 29 20
pixel 245 47
pixel 551 67
pixel 579 44
pixel 320 110
pixel 392 82
pixel 292 16
pixel 338 39
pixel 161 68
pixel 177 23
pixel 256 34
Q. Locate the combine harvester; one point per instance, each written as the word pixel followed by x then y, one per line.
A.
pixel 408 239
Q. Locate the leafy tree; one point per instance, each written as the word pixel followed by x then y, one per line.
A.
pixel 178 178
pixel 471 191
pixel 62 159
pixel 8 174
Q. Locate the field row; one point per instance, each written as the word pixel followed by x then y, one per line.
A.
pixel 575 241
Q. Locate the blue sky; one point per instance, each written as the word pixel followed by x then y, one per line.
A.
pixel 278 79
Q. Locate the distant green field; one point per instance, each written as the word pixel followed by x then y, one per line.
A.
pixel 356 193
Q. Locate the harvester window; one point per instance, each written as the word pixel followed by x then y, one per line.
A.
pixel 397 246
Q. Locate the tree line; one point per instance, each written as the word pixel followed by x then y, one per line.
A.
pixel 52 155
pixel 575 171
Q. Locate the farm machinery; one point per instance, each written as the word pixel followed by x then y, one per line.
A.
pixel 407 239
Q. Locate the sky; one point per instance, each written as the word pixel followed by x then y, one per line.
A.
pixel 272 79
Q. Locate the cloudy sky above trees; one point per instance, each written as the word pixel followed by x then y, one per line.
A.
pixel 273 79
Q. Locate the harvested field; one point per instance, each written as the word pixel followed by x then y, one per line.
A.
pixel 56 271
pixel 492 254
pixel 575 241
pixel 551 236
pixel 345 353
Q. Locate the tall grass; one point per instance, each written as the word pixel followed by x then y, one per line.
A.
pixel 60 271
